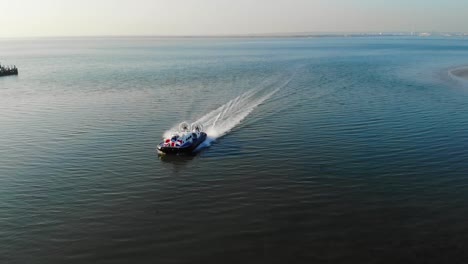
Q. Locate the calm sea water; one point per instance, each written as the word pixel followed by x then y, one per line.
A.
pixel 322 150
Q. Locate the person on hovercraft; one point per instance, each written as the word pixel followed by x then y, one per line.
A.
pixel 175 141
pixel 173 138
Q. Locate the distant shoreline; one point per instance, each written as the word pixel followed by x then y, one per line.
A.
pixel 268 35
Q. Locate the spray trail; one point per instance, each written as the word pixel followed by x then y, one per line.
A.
pixel 222 120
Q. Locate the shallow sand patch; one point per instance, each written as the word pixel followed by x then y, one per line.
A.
pixel 460 73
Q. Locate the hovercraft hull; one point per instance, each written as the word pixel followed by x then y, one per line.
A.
pixel 183 149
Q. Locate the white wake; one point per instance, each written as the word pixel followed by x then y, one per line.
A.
pixel 222 120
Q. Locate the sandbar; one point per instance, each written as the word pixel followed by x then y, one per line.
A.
pixel 460 73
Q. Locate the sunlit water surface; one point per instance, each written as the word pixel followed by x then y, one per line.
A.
pixel 321 150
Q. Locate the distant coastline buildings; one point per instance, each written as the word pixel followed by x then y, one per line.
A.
pixel 354 34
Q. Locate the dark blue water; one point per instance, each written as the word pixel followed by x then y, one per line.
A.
pixel 322 150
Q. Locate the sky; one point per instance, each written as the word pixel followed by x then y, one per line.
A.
pixel 34 18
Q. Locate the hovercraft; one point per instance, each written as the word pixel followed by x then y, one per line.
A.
pixel 186 140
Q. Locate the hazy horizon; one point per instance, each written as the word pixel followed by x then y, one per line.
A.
pixel 53 18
